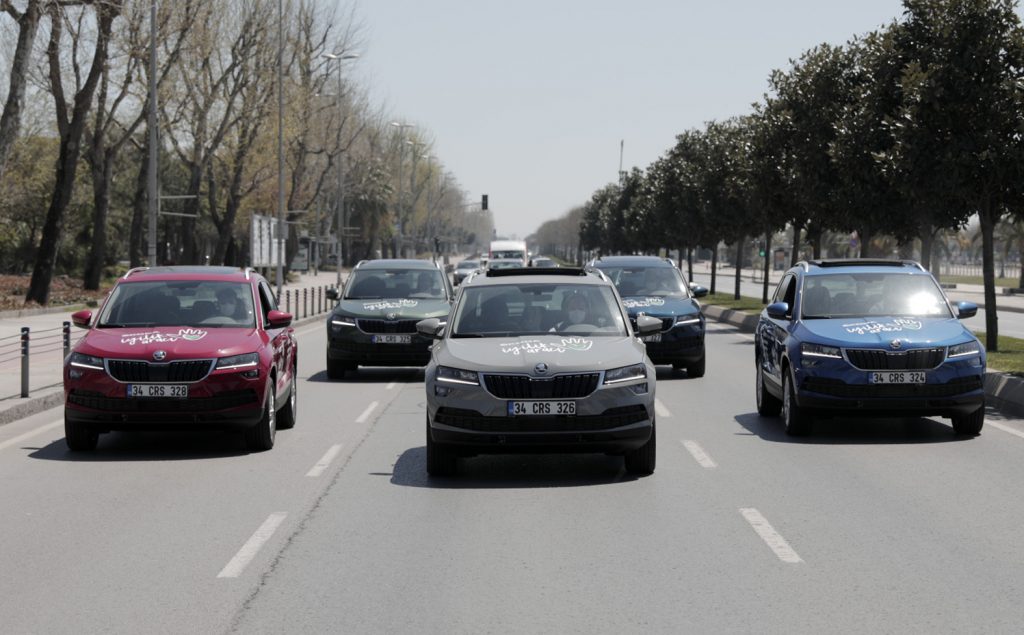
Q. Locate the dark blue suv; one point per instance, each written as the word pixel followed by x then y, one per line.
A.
pixel 875 337
pixel 653 286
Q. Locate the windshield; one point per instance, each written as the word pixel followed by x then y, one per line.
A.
pixel 538 309
pixel 505 264
pixel 376 284
pixel 843 295
pixel 647 281
pixel 179 303
pixel 468 264
pixel 508 253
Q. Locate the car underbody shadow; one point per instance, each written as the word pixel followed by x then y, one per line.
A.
pixel 372 375
pixel 185 445
pixel 851 431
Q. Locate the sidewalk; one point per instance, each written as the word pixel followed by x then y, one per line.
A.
pixel 46 359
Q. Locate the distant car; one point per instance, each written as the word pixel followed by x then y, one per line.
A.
pixel 653 286
pixel 463 269
pixel 543 263
pixel 867 337
pixel 193 347
pixel 374 322
pixel 538 361
pixel 505 263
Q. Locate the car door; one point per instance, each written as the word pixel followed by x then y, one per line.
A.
pixel 773 333
pixel 280 340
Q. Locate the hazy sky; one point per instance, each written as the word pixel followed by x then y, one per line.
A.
pixel 527 100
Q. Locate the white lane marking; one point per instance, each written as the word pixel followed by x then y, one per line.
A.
pixel 366 413
pixel 31 433
pixel 325 461
pixel 718 328
pixel 1004 428
pixel 771 537
pixel 391 385
pixel 699 454
pixel 252 546
pixel 660 409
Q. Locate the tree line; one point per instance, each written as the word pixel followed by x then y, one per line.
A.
pixel 74 139
pixel 905 132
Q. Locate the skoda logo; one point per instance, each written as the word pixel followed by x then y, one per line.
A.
pixel 159 355
pixel 541 368
pixel 390 316
pixel 896 345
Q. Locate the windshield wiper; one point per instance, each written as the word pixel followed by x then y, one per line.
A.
pixel 136 325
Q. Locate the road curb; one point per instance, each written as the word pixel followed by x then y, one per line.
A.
pixel 50 398
pixel 1002 391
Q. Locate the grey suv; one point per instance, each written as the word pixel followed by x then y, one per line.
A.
pixel 539 360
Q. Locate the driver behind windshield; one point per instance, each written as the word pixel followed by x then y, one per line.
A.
pixel 576 310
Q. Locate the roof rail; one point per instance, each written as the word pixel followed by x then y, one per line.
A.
pixel 869 262
pixel 134 270
pixel 248 270
pixel 537 271
pixel 359 264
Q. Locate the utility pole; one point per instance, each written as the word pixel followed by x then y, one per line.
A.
pixel 151 187
pixel 280 147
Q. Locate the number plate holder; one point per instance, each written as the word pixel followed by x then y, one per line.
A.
pixel 157 391
pixel 392 339
pixel 654 337
pixel 898 377
pixel 541 408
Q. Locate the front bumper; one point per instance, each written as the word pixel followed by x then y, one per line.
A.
pixel 681 344
pixel 355 346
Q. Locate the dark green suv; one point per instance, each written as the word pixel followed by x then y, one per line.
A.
pixel 374 323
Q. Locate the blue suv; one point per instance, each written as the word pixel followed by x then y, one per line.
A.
pixel 877 337
pixel 652 286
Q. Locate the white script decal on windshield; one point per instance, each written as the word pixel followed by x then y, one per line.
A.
pixel 871 327
pixel 389 304
pixel 527 347
pixel 639 303
pixel 150 337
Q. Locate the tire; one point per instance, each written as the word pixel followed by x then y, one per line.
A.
pixel 286 417
pixel 641 461
pixel 80 437
pixel 970 425
pixel 441 460
pixel 697 368
pixel 768 405
pixel 796 421
pixel 335 369
pixel 260 437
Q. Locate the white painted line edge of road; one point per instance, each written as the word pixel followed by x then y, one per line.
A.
pixel 325 462
pixel 31 433
pixel 252 546
pixel 366 413
pixel 660 409
pixel 772 538
pixel 698 454
pixel 1005 428
pixel 391 385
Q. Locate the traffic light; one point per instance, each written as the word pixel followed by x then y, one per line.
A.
pixel 483 202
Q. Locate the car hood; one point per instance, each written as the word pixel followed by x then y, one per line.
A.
pixel 878 332
pixel 657 306
pixel 176 342
pixel 561 353
pixel 393 308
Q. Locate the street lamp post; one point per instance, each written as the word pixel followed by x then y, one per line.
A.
pixel 280 147
pixel 341 217
pixel 398 193
pixel 151 184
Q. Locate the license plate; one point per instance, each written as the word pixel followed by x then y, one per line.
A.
pixel 899 377
pixel 174 391
pixel 392 339
pixel 541 408
pixel 651 338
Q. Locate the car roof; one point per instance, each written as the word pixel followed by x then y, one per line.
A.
pixel 563 275
pixel 632 261
pixel 189 272
pixel 861 265
pixel 397 263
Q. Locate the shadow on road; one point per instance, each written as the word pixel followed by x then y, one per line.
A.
pixel 522 471
pixel 871 431
pixel 404 375
pixel 151 446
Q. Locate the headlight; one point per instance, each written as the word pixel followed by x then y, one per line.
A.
pixel 965 349
pixel 80 360
pixel 682 321
pixel 820 350
pixel 626 373
pixel 339 322
pixel 239 361
pixel 458 376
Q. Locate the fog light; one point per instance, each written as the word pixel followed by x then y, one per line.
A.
pixel 75 374
pixel 441 391
pixel 251 374
pixel 639 389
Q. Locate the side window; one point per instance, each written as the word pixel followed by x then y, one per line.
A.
pixel 790 297
pixel 780 291
pixel 267 301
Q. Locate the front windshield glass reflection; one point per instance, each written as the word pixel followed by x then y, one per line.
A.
pixel 646 281
pixel 203 303
pixel 538 309
pixel 843 295
pixel 378 284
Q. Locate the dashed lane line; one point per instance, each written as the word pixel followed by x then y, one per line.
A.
pixel 237 565
pixel 772 538
pixel 391 385
pixel 699 455
pixel 366 413
pixel 660 409
pixel 325 462
pixel 994 424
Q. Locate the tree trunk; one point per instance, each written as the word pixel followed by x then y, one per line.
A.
pixel 739 266
pixel 1020 246
pixel 927 239
pixel 102 173
pixel 136 240
pixel 988 226
pixel 814 234
pixel 767 265
pixel 795 255
pixel 689 263
pixel 865 241
pixel 10 121
pixel 714 266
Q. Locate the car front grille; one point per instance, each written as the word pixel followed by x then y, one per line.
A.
pixel 473 420
pixel 560 387
pixel 141 371
pixel 838 388
pixel 914 359
pixel 666 323
pixel 386 326
pixel 96 401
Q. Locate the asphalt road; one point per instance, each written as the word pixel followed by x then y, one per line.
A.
pixel 884 525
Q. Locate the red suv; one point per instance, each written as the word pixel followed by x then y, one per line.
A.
pixel 193 347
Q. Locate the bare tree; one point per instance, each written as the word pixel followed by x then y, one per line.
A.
pixel 10 121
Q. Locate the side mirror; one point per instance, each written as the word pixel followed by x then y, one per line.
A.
pixel 698 291
pixel 430 327
pixel 646 325
pixel 278 319
pixel 965 310
pixel 778 310
pixel 82 319
pixel 332 294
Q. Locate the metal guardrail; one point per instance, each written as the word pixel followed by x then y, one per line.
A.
pixel 21 347
pixel 1002 270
